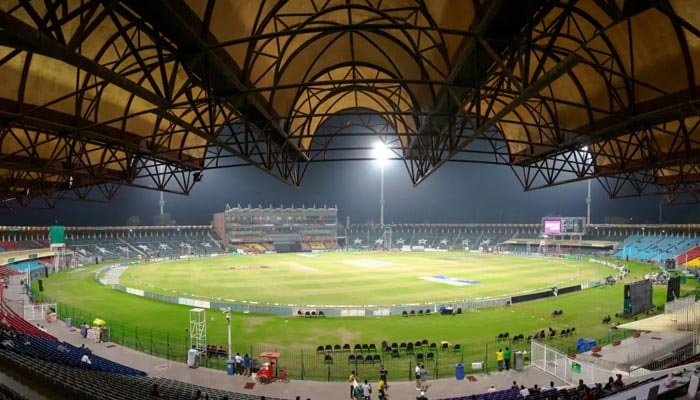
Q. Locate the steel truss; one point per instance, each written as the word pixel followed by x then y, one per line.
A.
pixel 184 104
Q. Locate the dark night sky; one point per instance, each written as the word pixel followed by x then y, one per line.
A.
pixel 455 193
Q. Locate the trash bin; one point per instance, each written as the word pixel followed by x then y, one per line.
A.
pixel 229 367
pixel 459 371
pixel 69 322
pixel 518 361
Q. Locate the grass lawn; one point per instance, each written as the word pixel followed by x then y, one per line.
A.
pixel 159 328
pixel 359 278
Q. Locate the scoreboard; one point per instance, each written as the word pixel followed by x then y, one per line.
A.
pixel 564 226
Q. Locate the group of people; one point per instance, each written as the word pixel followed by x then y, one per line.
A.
pixel 503 359
pixel 363 391
pixel 242 364
pixel 99 332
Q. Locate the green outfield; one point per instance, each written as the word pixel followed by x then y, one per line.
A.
pixel 360 278
pixel 159 328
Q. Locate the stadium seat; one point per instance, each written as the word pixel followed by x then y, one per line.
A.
pixel 369 359
pixel 433 346
pixel 372 348
pixel 445 346
pixel 377 359
pixel 365 348
pixel 346 348
pixel 430 357
pixel 337 349
pixel 457 348
pixel 420 357
pixel 329 348
pixel 328 359
pixel 351 358
pixel 409 348
pixel 395 353
pixel 319 350
pixel 357 348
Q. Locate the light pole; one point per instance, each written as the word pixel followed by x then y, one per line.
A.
pixel 227 311
pixel 381 155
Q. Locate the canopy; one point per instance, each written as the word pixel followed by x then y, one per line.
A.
pixel 99 322
pixel 269 354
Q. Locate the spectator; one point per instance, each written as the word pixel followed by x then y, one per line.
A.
pixel 382 388
pixel 618 385
pixel 550 388
pixel 383 373
pixel 154 390
pixel 366 390
pixel 499 359
pixel 422 396
pixel 246 365
pixel 515 385
pixel 352 379
pixel 506 358
pixel 491 389
pixel 85 361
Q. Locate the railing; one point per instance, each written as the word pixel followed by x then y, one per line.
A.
pixel 303 363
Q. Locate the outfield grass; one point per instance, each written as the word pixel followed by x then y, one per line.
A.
pixel 359 278
pixel 158 328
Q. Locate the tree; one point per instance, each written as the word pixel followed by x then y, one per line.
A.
pixel 163 219
pixel 134 220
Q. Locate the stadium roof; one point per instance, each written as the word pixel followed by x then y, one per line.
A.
pixel 96 94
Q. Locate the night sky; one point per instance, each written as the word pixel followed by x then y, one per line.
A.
pixel 456 193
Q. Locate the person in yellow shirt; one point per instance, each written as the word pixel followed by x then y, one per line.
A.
pixel 382 387
pixel 499 359
pixel 352 379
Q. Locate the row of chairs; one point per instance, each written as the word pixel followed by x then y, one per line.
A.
pixel 310 314
pixel 413 313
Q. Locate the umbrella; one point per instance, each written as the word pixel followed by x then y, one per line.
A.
pixel 99 322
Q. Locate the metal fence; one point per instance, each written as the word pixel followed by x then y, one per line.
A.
pixel 564 367
pixel 304 363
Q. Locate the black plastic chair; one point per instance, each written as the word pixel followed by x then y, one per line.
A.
pixel 420 357
pixel 457 348
pixel 430 357
pixel 328 359
pixel 319 350
pixel 346 347
pixel 357 348
pixel 337 349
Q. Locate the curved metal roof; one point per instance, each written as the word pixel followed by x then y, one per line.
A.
pixel 99 94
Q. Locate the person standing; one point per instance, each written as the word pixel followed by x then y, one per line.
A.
pixel 416 372
pixel 506 358
pixel 423 378
pixel 382 388
pixel 383 373
pixel 246 365
pixel 366 390
pixel 352 379
pixel 499 359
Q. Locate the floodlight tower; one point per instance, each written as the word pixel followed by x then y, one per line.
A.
pixel 227 311
pixel 381 155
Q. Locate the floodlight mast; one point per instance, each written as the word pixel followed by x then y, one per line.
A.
pixel 227 311
pixel 381 156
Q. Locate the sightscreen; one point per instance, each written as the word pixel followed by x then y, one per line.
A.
pixel 638 297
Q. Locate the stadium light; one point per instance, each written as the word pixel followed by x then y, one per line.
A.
pixel 227 311
pixel 381 154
